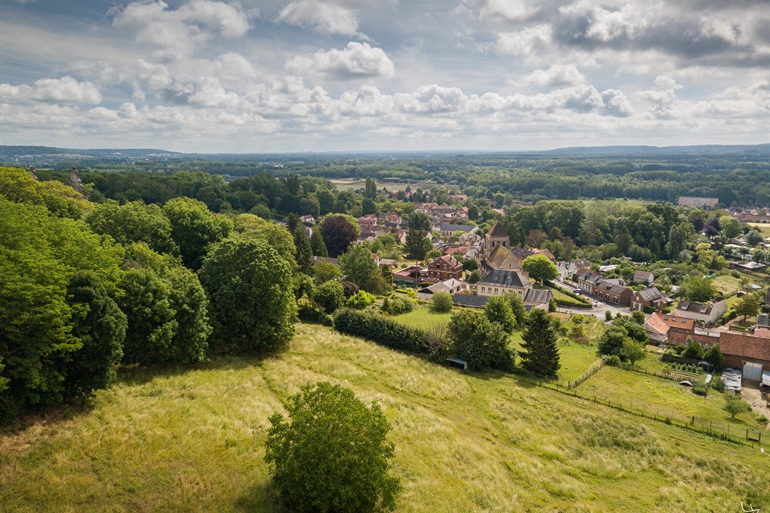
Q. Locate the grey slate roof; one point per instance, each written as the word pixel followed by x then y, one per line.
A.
pixel 505 278
pixel 650 294
pixel 538 296
pixel 470 300
pixel 763 320
pixel 692 306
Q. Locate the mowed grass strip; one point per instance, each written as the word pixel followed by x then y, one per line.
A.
pixel 186 439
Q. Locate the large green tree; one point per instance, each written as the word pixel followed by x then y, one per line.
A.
pixel 317 244
pixel 100 327
pixel 193 227
pixel 358 266
pixel 39 254
pixel 303 250
pixel 540 268
pixel 748 306
pixel 498 310
pixel 334 455
pixel 419 221
pixel 251 292
pixel 338 234
pixel 480 342
pixel 699 289
pixel 517 307
pixel 417 246
pixel 540 354
pixel 134 222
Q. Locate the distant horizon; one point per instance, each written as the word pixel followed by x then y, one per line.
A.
pixel 565 149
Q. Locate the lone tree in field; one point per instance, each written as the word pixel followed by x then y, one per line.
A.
pixel 540 355
pixel 334 455
pixel 540 268
pixel 735 405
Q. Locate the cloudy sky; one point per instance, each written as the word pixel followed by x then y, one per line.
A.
pixel 323 75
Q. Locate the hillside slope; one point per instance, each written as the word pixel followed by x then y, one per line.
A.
pixel 192 440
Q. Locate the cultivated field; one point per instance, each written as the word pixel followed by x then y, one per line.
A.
pixel 191 439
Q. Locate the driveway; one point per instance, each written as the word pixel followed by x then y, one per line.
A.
pixel 751 394
pixel 598 311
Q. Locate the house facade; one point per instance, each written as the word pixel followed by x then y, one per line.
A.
pixel 500 282
pixel 445 267
pixel 651 297
pixel 587 280
pixel 613 293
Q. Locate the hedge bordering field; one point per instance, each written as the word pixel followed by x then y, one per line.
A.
pixel 379 329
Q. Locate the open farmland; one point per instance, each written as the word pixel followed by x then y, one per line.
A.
pixel 192 439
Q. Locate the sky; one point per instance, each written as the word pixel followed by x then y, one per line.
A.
pixel 249 76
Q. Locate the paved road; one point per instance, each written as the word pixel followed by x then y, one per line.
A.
pixel 598 311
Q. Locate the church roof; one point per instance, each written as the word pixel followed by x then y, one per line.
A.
pixel 502 258
pixel 497 231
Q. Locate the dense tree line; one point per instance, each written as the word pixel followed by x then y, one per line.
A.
pixel 86 286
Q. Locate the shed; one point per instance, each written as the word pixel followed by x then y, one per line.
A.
pixel 457 363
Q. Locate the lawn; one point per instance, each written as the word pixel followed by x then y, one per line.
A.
pixel 663 397
pixel 192 439
pixel 422 317
pixel 575 359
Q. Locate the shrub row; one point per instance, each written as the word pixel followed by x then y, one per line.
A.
pixel 569 302
pixel 569 293
pixel 378 329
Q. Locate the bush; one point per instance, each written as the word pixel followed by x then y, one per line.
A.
pixel 699 390
pixel 309 310
pixel 762 419
pixel 330 296
pixel 693 350
pixel 442 302
pixel 399 305
pixel 334 455
pixel 718 384
pixel 638 317
pixel 436 342
pixel 648 309
pixel 607 315
pixel 378 329
pixel 613 360
pixel 714 356
pixel 360 300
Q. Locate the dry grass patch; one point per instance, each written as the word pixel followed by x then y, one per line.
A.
pixel 192 439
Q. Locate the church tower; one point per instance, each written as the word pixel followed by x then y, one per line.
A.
pixel 496 236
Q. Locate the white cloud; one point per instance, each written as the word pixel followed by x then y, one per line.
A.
pixel 327 17
pixel 523 42
pixel 513 10
pixel 52 90
pixel 356 60
pixel 558 75
pixel 191 25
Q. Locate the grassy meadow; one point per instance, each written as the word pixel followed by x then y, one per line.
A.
pixel 192 439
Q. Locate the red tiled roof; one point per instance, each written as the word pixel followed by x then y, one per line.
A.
pixel 673 321
pixel 747 346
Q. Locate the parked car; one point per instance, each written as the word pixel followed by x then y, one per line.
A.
pixel 596 304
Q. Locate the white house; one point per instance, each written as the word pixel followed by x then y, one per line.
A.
pixel 705 313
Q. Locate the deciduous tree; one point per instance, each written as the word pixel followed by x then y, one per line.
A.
pixel 338 234
pixel 334 454
pixel 193 227
pixel 251 292
pixel 540 268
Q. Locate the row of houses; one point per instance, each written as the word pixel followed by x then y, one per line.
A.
pixel 741 350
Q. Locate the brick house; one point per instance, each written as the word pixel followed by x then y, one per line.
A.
pixel 661 327
pixel 746 352
pixel 445 267
pixel 613 293
pixel 647 297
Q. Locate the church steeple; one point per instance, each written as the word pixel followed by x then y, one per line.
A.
pixel 496 236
